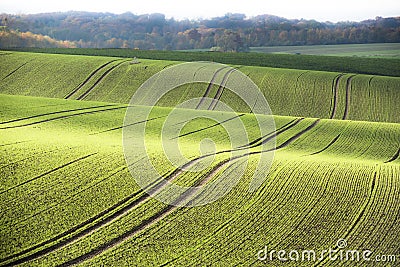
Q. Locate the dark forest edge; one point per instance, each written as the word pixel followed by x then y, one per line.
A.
pixel 232 32
pixel 372 66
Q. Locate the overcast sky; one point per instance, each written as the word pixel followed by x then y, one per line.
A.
pixel 338 10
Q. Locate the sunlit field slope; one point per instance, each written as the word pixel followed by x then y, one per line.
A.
pixel 314 93
pixel 67 196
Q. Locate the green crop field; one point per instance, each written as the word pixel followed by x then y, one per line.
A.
pixel 361 65
pixel 384 50
pixel 68 196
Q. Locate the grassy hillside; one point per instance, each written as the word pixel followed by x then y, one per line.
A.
pixel 373 66
pixel 317 93
pixel 330 179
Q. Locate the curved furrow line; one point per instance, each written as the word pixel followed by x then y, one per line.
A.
pixel 327 146
pixel 119 210
pixel 12 72
pixel 48 172
pixel 322 205
pixel 263 139
pixel 61 117
pixel 75 229
pixel 360 215
pixel 335 88
pixel 309 211
pixel 48 186
pixel 57 203
pixel 208 127
pixel 143 226
pixel 301 74
pixel 258 216
pixel 154 188
pixel 298 135
pixel 16 143
pixel 389 237
pixel 124 126
pixel 281 192
pixel 27 158
pixel 53 113
pixel 395 156
pixel 370 80
pixel 283 145
pixel 388 192
pixel 88 78
pixel 168 65
pixel 100 79
pixel 209 86
pixel 347 101
pixel 220 90
pixel 189 87
pixel 267 138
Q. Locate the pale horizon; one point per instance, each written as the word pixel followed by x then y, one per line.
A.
pixel 336 11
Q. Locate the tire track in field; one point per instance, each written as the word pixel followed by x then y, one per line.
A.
pixel 298 135
pixel 16 143
pixel 154 188
pixel 53 113
pixel 100 79
pixel 88 78
pixel 124 126
pixel 395 156
pixel 48 172
pixel 12 72
pixel 62 243
pixel 55 204
pixel 264 139
pixel 208 127
pixel 220 90
pixel 370 80
pixel 170 208
pixel 145 224
pixel 335 88
pixel 209 86
pixel 327 146
pixel 347 103
pixel 61 117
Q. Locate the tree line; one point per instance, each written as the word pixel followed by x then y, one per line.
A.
pixel 232 32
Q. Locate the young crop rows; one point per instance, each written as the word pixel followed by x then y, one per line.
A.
pixel 67 196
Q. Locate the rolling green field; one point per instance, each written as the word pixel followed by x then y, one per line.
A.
pixel 373 66
pixel 67 196
pixel 317 93
pixel 384 50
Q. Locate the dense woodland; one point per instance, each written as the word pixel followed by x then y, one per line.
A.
pixel 232 32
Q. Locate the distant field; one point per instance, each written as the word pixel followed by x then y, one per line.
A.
pixel 385 50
